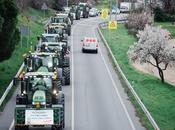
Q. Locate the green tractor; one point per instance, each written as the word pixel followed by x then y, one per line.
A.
pixel 40 103
pixel 75 12
pixel 67 11
pixel 64 61
pixel 84 9
pixel 49 62
pixel 56 28
pixel 62 39
pixel 64 20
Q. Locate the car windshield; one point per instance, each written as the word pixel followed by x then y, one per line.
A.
pixel 123 7
pixel 92 10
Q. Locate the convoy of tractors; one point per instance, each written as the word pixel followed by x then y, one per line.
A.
pixel 41 102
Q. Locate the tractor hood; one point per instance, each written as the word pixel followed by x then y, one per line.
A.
pixel 39 97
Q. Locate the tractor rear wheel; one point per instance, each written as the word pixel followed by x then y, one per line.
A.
pixel 66 74
pixel 66 62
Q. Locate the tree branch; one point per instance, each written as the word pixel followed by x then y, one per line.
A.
pixel 166 65
pixel 151 63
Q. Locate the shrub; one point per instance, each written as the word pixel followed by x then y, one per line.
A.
pixel 162 16
pixel 138 20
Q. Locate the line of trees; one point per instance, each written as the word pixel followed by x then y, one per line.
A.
pixel 169 6
pixel 37 4
pixel 9 34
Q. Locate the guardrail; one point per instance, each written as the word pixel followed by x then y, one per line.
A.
pixel 145 110
pixel 10 86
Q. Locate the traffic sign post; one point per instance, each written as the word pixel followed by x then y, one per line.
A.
pixel 104 14
pixel 44 8
pixel 112 25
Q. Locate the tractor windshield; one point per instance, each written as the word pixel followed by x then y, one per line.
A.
pixel 50 39
pixel 40 83
pixel 43 61
pixel 58 20
pixel 54 47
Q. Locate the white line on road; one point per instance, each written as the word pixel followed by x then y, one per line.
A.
pixel 115 87
pixel 12 124
pixel 72 79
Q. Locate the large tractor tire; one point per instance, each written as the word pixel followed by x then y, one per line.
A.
pixel 69 32
pixel 66 62
pixel 21 128
pixel 59 85
pixel 56 128
pixel 66 74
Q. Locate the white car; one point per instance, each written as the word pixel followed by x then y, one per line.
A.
pixel 93 12
pixel 116 11
pixel 90 44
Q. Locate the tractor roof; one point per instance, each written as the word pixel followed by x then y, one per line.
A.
pixel 54 25
pixel 53 43
pixel 43 54
pixel 39 74
pixel 46 34
pixel 61 14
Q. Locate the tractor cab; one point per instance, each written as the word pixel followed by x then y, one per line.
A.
pixel 56 28
pixel 43 62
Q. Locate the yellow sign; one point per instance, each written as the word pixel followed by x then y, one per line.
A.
pixel 104 13
pixel 112 24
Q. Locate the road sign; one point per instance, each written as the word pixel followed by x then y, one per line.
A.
pixel 44 7
pixel 104 14
pixel 25 30
pixel 112 24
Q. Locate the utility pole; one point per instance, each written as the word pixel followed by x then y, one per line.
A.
pixel 110 9
pixel 67 3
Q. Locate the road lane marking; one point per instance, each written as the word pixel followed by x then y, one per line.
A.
pixel 115 87
pixel 12 124
pixel 72 78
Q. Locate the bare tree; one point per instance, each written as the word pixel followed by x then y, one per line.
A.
pixel 152 48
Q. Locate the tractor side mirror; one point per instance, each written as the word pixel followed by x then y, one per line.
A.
pixel 15 81
pixel 23 87
pixel 35 47
pixel 25 61
pixel 38 38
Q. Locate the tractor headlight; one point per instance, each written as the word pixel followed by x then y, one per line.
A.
pixel 24 92
pixel 43 103
pixel 54 92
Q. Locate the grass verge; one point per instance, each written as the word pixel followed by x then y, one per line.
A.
pixel 9 68
pixel 167 25
pixel 157 97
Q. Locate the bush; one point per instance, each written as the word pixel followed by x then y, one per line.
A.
pixel 162 16
pixel 137 21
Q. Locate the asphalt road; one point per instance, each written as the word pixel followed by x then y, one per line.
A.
pixel 95 100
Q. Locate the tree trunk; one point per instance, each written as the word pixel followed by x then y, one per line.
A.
pixel 161 74
pixel 160 71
